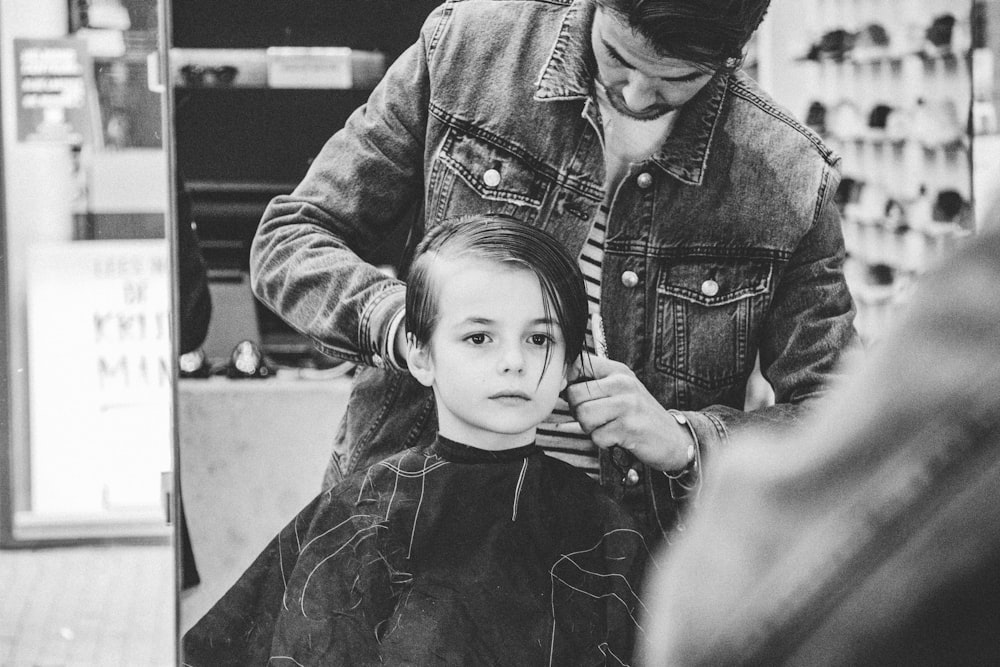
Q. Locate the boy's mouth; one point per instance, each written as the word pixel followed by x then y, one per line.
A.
pixel 520 395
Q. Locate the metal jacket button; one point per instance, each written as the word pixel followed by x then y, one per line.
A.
pixel 645 180
pixel 631 477
pixel 630 279
pixel 491 177
pixel 710 288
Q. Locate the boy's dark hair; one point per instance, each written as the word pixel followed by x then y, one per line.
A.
pixel 505 241
pixel 708 32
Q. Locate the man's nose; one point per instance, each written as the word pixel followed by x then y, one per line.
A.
pixel 639 92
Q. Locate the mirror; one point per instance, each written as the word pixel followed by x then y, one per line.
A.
pixel 252 105
pixel 85 428
pixel 257 89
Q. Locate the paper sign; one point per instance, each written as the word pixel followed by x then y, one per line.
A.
pixel 99 375
pixel 54 79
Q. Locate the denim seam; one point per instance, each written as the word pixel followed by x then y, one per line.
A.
pixel 432 43
pixel 338 352
pixel 376 423
pixel 685 252
pixel 420 422
pixel 740 90
pixel 439 192
pixel 444 196
pixel 821 196
pixel 711 136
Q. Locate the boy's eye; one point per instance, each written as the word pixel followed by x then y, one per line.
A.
pixel 476 339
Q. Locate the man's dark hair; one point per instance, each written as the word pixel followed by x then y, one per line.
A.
pixel 708 32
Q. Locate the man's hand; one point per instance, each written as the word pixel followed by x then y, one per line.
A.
pixel 614 408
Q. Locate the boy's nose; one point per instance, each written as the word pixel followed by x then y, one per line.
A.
pixel 512 360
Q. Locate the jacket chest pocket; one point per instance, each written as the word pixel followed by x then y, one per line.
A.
pixel 473 176
pixel 708 316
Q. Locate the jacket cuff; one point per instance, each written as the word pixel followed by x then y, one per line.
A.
pixel 376 325
pixel 391 355
pixel 709 431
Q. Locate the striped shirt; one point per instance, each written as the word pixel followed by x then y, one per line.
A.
pixel 626 141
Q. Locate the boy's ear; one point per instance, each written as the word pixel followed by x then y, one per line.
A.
pixel 418 360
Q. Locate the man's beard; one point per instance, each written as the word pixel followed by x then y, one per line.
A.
pixel 617 102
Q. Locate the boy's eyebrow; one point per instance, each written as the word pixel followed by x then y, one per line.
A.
pixel 690 76
pixel 486 320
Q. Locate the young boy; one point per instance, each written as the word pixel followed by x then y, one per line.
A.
pixel 478 549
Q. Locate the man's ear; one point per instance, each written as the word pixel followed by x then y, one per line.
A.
pixel 418 360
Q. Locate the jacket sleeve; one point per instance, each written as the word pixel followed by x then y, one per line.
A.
pixel 310 260
pixel 809 327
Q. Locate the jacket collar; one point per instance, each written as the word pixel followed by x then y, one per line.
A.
pixel 568 75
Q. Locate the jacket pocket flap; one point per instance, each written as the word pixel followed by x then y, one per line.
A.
pixel 713 281
pixel 493 172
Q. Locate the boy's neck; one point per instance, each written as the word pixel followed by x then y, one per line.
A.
pixel 493 442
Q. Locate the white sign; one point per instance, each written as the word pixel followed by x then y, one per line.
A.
pixel 99 374
pixel 309 67
pixel 53 80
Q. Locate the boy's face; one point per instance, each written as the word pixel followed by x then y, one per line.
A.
pixel 486 359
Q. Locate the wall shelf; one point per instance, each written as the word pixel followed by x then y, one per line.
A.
pixel 888 85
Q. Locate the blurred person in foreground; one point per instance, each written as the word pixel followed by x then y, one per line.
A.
pixel 871 536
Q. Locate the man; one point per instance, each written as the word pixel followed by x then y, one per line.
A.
pixel 702 213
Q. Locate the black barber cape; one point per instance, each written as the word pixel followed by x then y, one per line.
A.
pixel 444 555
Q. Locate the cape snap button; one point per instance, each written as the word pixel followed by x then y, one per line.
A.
pixel 631 477
pixel 710 288
pixel 630 279
pixel 491 177
pixel 645 180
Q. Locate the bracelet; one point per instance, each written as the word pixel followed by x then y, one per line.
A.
pixel 686 481
pixel 692 451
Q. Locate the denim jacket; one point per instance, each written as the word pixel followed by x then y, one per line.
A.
pixel 723 245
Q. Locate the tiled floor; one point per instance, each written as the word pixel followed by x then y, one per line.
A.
pixel 100 606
